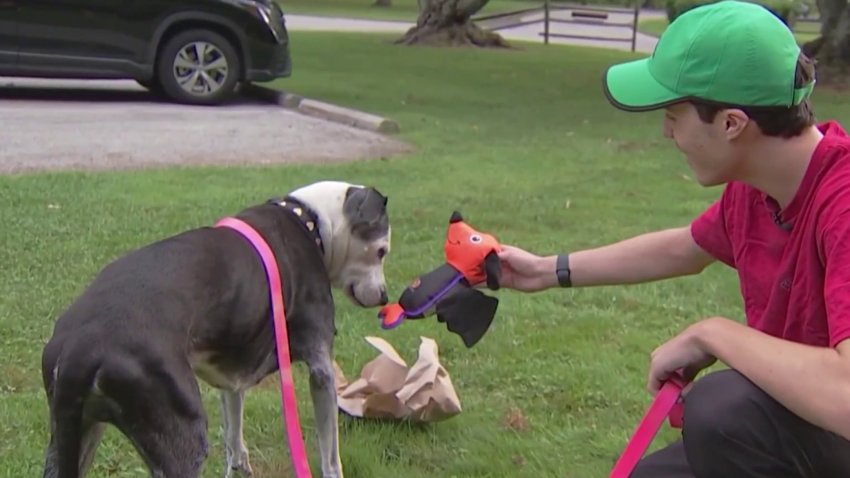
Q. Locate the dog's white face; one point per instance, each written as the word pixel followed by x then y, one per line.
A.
pixel 355 229
pixel 362 273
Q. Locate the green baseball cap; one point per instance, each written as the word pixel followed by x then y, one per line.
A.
pixel 730 51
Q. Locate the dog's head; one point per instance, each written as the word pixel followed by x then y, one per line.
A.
pixel 355 230
pixel 362 272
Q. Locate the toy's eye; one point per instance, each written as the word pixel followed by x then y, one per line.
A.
pixel 475 238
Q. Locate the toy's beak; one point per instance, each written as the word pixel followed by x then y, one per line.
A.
pixel 391 316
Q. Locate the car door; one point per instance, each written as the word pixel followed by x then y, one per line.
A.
pixel 8 35
pixel 85 37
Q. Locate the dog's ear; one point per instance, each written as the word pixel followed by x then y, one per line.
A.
pixel 364 206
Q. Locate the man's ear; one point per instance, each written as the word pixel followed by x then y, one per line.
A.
pixel 735 121
pixel 364 205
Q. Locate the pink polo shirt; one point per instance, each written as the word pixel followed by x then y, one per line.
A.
pixel 794 266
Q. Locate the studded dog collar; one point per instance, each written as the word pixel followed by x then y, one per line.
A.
pixel 308 217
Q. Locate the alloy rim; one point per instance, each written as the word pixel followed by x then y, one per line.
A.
pixel 200 68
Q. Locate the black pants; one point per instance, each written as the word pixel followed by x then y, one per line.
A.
pixel 732 429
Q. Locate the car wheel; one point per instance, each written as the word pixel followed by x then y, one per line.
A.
pixel 198 67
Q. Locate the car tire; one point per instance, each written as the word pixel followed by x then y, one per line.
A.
pixel 186 78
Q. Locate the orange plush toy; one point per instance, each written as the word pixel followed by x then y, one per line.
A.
pixel 449 290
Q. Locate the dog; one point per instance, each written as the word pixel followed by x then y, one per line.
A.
pixel 130 349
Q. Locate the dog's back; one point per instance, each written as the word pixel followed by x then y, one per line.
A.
pixel 121 352
pixel 101 355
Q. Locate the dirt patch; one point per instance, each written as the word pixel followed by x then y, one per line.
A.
pixel 90 126
pixel 515 420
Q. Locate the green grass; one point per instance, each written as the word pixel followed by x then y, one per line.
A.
pixel 401 10
pixel 804 32
pixel 653 26
pixel 524 144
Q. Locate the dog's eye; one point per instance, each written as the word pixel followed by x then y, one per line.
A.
pixel 382 252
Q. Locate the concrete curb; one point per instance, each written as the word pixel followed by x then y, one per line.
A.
pixel 321 109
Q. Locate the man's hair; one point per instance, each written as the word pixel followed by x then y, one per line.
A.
pixel 785 122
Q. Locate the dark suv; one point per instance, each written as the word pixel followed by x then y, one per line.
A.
pixel 193 51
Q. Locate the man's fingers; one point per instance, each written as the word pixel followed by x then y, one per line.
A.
pixel 506 252
pixel 655 380
pixel 653 386
pixel 690 372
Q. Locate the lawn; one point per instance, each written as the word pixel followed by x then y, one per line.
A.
pixel 524 144
pixel 803 31
pixel 401 10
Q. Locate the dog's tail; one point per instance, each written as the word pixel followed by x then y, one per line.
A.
pixel 68 390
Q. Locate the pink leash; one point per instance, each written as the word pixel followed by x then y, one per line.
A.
pixel 665 404
pixel 300 463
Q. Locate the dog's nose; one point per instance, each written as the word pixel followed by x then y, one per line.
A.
pixel 384 299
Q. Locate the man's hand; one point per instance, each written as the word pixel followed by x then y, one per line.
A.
pixel 526 272
pixel 682 352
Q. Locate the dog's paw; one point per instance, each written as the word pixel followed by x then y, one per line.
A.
pixel 332 472
pixel 239 471
pixel 238 465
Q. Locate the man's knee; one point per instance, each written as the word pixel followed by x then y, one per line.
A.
pixel 718 401
pixel 723 411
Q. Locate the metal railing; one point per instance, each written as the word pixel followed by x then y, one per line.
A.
pixel 597 16
pixel 553 13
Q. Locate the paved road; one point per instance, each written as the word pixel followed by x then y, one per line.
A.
pixel 117 124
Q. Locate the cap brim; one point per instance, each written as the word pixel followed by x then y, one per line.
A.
pixel 631 87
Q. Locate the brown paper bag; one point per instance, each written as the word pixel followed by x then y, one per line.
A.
pixel 388 389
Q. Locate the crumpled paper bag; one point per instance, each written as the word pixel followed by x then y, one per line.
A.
pixel 388 389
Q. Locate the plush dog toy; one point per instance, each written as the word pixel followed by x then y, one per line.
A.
pixel 449 290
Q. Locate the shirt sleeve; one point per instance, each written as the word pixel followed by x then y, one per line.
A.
pixel 710 233
pixel 836 256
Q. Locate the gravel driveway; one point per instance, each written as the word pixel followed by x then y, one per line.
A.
pixel 51 124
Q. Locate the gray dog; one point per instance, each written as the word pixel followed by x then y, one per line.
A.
pixel 128 350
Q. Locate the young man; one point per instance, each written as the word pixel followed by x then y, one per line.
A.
pixel 736 89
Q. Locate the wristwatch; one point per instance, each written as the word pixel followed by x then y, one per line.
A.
pixel 562 270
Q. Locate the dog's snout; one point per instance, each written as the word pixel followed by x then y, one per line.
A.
pixel 384 298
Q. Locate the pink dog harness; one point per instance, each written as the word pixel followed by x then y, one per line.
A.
pixel 666 403
pixel 300 464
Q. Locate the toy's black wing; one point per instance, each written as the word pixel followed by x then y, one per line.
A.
pixel 467 312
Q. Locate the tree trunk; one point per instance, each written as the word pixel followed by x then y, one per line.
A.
pixel 447 23
pixel 832 48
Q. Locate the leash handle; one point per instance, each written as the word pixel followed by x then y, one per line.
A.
pixel 665 404
pixel 300 463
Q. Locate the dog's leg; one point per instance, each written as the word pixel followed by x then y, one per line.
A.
pixel 326 411
pixel 234 444
pixel 91 440
pixel 171 450
pixel 91 436
pixel 163 415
